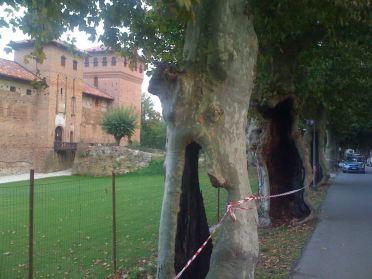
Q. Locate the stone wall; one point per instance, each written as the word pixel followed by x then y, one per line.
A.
pixel 102 160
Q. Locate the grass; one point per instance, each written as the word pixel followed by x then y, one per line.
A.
pixel 73 237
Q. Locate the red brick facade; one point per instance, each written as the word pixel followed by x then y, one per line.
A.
pixel 69 110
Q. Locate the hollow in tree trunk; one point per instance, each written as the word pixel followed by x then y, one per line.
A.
pixel 205 106
pixel 284 161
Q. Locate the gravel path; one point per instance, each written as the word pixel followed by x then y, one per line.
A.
pixel 26 176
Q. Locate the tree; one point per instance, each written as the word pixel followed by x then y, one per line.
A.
pixel 204 54
pixel 286 31
pixel 153 128
pixel 120 122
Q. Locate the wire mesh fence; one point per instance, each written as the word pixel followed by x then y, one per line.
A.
pixel 73 225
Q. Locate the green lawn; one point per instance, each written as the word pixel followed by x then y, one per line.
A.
pixel 73 237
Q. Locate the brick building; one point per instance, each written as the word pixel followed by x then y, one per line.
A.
pixel 41 128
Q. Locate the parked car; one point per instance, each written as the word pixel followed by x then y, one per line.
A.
pixel 354 166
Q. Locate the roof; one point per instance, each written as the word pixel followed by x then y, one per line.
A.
pixel 103 49
pixel 90 90
pixel 30 43
pixel 97 49
pixel 13 70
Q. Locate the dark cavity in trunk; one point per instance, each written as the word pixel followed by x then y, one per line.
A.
pixel 192 225
pixel 285 167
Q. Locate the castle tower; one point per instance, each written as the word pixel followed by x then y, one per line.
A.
pixel 112 75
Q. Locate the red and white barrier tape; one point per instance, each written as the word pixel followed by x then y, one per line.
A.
pixel 230 210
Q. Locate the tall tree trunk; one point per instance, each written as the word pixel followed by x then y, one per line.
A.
pixel 257 138
pixel 285 160
pixel 205 105
pixel 331 150
pixel 303 152
pixel 321 132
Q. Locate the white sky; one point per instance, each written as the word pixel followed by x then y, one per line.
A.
pixel 82 42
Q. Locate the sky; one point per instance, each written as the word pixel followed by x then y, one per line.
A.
pixel 82 42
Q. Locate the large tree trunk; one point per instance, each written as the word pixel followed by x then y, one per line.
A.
pixel 303 152
pixel 205 105
pixel 285 160
pixel 321 133
pixel 331 150
pixel 257 138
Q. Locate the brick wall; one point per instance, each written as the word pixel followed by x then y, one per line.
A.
pixel 120 81
pixel 91 131
pixel 21 138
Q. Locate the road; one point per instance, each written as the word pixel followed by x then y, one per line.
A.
pixel 341 245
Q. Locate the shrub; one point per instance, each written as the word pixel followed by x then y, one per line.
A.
pixel 119 122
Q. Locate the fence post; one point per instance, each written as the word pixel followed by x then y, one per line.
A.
pixel 31 226
pixel 218 204
pixel 114 259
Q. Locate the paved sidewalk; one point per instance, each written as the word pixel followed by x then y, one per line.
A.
pixel 26 176
pixel 341 245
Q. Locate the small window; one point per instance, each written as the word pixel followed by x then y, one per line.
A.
pixel 95 81
pixel 96 103
pixel 135 67
pixel 125 62
pixel 12 88
pixel 74 65
pixel 61 91
pixel 104 61
pixel 73 105
pixel 63 61
pixel 28 92
pixel 86 62
pixel 95 62
pixel 140 69
pixel 113 61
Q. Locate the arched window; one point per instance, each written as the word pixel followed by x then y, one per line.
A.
pixel 95 62
pixel 74 65
pixel 86 62
pixel 125 62
pixel 95 81
pixel 113 61
pixel 140 68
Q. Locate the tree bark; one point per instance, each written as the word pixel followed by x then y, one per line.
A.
pixel 257 139
pixel 206 104
pixel 303 152
pixel 331 150
pixel 321 132
pixel 117 140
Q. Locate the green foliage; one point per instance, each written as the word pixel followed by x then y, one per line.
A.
pixel 287 29
pixel 119 122
pixel 156 27
pixel 153 127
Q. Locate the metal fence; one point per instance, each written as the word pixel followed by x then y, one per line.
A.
pixel 84 227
